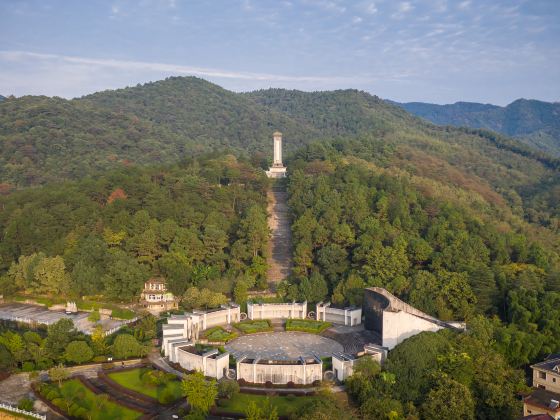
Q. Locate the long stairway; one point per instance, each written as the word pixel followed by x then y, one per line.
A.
pixel 280 244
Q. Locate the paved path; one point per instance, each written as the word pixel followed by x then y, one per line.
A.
pixel 283 345
pixel 280 244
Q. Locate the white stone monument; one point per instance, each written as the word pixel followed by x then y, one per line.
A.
pixel 277 170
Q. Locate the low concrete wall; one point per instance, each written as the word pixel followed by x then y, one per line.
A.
pixel 276 310
pixel 344 316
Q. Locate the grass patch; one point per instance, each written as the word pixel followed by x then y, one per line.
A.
pixel 307 325
pixel 121 313
pixel 251 327
pixel 219 334
pixel 165 391
pixel 285 405
pixel 11 414
pixel 78 401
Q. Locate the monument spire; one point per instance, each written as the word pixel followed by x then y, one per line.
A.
pixel 277 170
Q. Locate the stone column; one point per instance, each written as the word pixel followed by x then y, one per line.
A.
pixel 277 149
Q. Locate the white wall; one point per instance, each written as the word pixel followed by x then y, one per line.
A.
pixel 398 326
pixel 280 374
pixel 342 368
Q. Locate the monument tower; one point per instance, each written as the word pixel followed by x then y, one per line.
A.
pixel 278 170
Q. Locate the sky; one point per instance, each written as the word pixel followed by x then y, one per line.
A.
pixel 440 51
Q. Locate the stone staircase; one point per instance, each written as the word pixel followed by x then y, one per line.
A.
pixel 280 244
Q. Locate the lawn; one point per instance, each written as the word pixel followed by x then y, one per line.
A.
pixel 78 401
pixel 10 415
pixel 219 334
pixel 167 391
pixel 251 327
pixel 285 405
pixel 307 325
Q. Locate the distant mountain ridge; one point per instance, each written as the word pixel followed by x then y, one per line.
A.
pixel 2 98
pixel 535 123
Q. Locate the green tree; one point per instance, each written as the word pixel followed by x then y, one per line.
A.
pixel 449 399
pixel 59 335
pixel 240 292
pixel 227 388
pixel 58 374
pixel 78 352
pixel 125 346
pixel 264 411
pixel 200 393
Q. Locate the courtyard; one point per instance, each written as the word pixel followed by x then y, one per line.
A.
pixel 282 346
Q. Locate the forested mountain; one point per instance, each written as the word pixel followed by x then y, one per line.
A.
pixel 48 139
pixel 533 122
pixel 2 98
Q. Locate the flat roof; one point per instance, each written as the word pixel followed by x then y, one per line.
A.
pixel 542 398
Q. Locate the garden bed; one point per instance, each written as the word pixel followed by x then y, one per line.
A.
pixel 254 326
pixel 307 325
pixel 218 334
pixel 75 399
pixel 285 405
pixel 157 385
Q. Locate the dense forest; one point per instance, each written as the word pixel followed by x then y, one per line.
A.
pixel 100 193
pixel 52 139
pixel 533 122
pixel 199 224
pixel 356 224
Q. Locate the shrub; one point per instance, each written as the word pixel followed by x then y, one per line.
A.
pixel 45 364
pixel 242 382
pixel 268 384
pixel 307 325
pixel 99 359
pixel 25 404
pixel 94 316
pixel 291 384
pixel 167 396
pixel 290 397
pixel 222 402
pixel 316 383
pixel 52 394
pixel 28 366
pixel 227 388
pixel 81 413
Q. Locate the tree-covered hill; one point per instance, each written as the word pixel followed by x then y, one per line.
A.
pixel 198 224
pixel 533 122
pixel 484 163
pixel 49 139
pixel 205 113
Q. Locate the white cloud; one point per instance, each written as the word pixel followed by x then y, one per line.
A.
pixel 370 8
pixel 405 7
pixel 71 76
pixel 465 4
pixel 357 19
